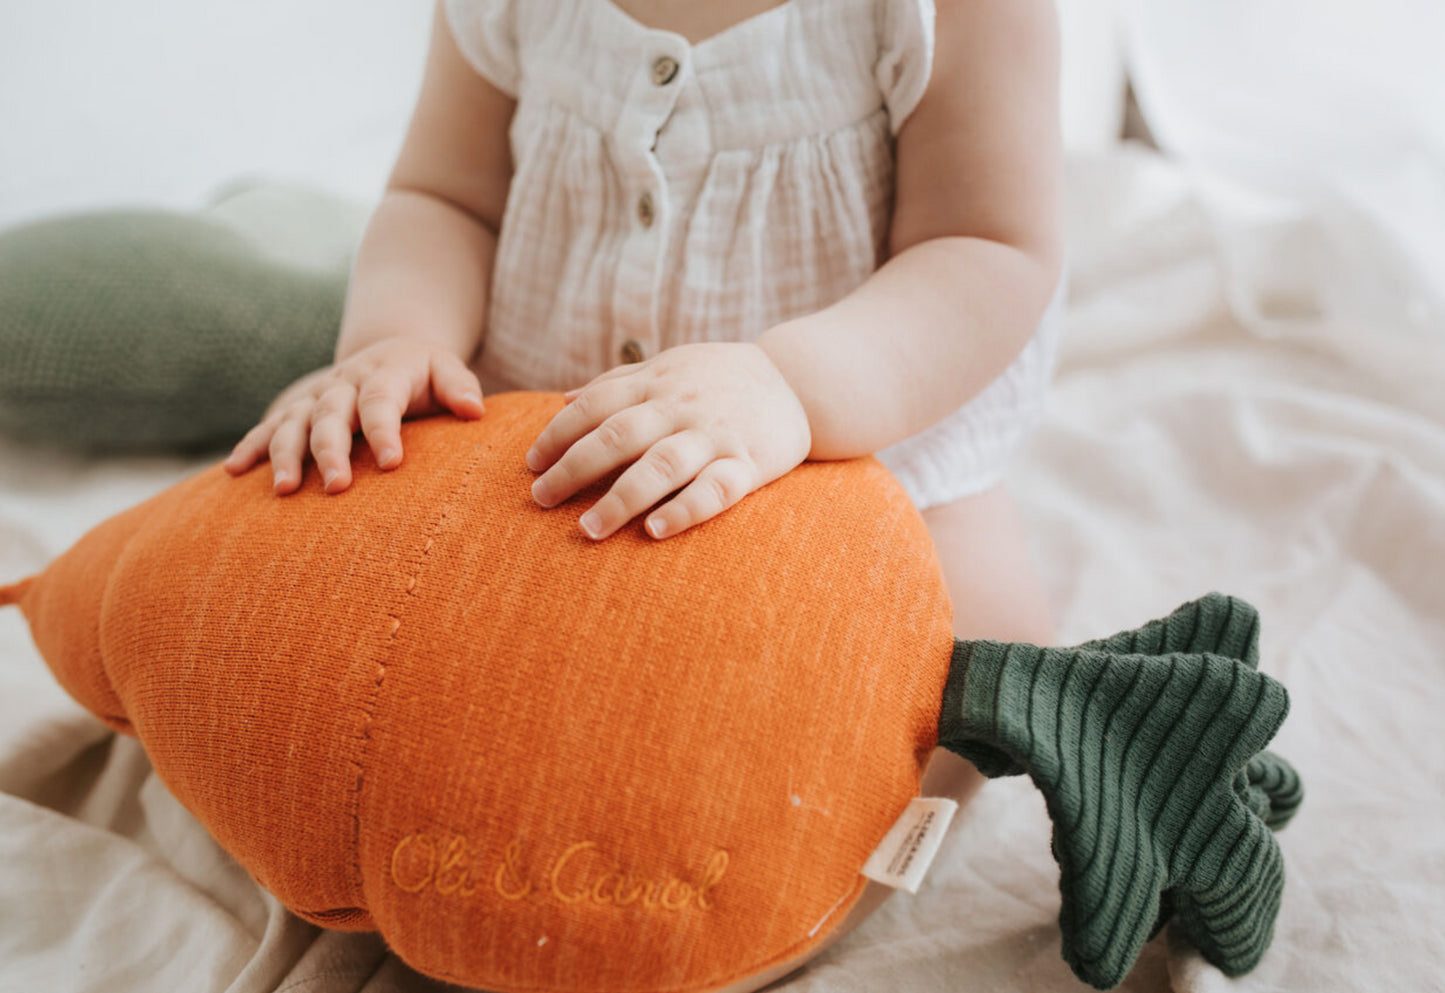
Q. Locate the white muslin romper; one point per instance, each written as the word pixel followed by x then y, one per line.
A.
pixel 666 192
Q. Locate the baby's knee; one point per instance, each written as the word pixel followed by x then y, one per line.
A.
pixel 996 590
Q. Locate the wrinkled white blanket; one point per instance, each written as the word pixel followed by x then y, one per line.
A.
pixel 1190 445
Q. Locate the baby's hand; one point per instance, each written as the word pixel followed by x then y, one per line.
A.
pixel 374 388
pixel 716 418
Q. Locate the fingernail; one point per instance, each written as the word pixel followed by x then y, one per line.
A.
pixel 475 398
pixel 330 477
pixel 534 460
pixel 591 523
pixel 657 527
pixel 387 456
pixel 539 492
pixel 282 478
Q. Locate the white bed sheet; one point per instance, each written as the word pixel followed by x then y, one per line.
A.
pixel 1185 449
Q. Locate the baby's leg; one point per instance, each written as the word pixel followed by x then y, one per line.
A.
pixel 995 589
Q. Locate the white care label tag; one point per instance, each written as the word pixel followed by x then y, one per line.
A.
pixel 907 850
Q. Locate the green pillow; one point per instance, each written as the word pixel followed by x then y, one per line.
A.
pixel 155 330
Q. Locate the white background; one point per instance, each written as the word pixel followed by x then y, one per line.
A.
pixel 107 102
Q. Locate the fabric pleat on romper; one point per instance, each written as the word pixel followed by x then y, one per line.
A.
pixel 667 192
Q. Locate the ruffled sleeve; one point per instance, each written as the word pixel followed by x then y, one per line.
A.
pixel 486 33
pixel 905 56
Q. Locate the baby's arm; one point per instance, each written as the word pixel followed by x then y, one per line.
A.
pixel 421 267
pixel 976 243
pixel 416 305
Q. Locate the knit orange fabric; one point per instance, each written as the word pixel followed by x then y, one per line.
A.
pixel 533 762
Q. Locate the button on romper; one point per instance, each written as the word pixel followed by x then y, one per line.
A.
pixel 667 192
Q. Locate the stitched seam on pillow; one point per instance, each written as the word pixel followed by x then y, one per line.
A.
pixel 417 567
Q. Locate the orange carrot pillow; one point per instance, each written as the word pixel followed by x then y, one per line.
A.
pixel 428 707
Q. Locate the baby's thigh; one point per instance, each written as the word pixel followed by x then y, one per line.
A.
pixel 983 549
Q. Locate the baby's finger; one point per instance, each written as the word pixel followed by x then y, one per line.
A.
pixel 250 448
pixel 380 405
pixel 617 441
pixel 456 387
pixel 666 467
pixel 720 485
pixel 593 406
pixel 332 425
pixel 613 373
pixel 287 448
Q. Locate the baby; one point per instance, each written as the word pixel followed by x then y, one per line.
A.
pixel 740 235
